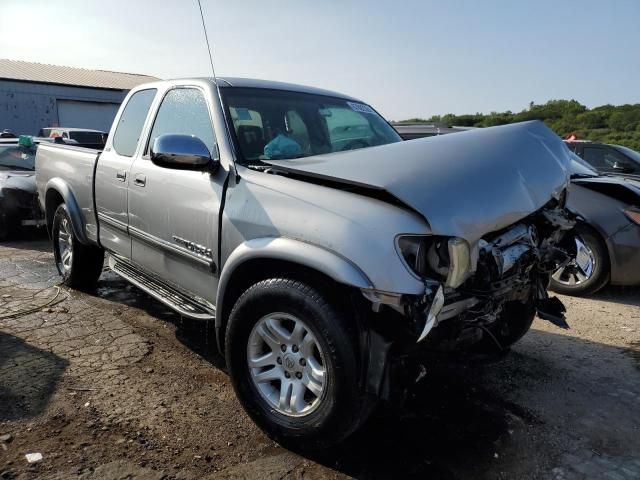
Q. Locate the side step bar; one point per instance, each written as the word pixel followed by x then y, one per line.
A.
pixel 159 290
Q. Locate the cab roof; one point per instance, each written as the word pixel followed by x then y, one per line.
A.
pixel 230 82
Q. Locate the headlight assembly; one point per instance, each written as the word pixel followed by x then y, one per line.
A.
pixel 440 258
pixel 459 262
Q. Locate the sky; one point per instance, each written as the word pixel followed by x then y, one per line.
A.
pixel 406 58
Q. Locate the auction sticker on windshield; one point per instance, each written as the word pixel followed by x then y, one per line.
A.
pixel 360 107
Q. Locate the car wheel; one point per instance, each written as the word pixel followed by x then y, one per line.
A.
pixel 512 324
pixel 293 364
pixel 9 225
pixel 4 230
pixel 79 265
pixel 588 272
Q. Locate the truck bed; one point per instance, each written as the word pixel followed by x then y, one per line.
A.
pixel 76 165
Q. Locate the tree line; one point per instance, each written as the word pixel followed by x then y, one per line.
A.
pixel 618 124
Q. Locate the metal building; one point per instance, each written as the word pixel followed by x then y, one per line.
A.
pixel 35 96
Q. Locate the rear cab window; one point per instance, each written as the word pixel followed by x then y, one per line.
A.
pixel 129 128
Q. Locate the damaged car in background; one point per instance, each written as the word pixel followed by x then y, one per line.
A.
pixel 605 243
pixel 322 249
pixel 19 206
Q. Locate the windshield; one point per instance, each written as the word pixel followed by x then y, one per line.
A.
pixel 278 125
pixel 17 157
pixel 629 152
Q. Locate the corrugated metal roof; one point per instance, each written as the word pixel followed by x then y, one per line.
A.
pixel 40 72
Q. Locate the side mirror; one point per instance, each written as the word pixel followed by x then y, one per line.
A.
pixel 185 152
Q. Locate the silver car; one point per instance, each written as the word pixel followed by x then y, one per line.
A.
pixel 323 249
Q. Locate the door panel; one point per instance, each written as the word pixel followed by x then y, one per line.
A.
pixel 111 200
pixel 112 173
pixel 173 214
pixel 173 222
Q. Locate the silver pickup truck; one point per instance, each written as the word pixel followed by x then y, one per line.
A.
pixel 323 248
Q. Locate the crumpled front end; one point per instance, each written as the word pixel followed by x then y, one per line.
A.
pixel 491 289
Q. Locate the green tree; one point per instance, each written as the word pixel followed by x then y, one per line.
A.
pixel 606 123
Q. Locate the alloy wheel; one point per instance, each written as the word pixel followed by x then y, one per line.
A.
pixel 286 364
pixel 580 269
pixel 65 246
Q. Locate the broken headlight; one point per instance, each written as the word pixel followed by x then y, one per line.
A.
pixel 440 258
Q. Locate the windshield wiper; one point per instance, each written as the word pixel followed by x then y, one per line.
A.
pixel 584 175
pixel 302 155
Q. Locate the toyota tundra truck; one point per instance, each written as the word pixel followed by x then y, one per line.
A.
pixel 321 247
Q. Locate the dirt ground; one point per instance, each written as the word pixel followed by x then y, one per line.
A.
pixel 114 386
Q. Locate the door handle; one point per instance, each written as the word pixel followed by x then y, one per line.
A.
pixel 121 175
pixel 140 180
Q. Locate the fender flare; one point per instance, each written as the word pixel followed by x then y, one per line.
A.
pixel 312 256
pixel 62 188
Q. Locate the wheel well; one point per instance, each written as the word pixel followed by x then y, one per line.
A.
pixel 52 200
pixel 255 270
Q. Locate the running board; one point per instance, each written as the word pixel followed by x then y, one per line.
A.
pixel 159 290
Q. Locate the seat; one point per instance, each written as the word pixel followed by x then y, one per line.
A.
pixel 251 140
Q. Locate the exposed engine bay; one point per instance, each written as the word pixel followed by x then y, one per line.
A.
pixel 500 293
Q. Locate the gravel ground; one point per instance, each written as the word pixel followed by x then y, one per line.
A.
pixel 115 386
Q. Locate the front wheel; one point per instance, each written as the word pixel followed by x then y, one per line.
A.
pixel 79 265
pixel 292 361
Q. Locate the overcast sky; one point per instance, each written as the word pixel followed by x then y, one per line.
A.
pixel 407 58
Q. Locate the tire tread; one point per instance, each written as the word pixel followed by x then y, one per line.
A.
pixel 317 296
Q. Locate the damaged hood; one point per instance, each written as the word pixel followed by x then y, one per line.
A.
pixel 465 184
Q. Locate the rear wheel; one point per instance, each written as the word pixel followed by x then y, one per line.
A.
pixel 588 272
pixel 79 265
pixel 293 364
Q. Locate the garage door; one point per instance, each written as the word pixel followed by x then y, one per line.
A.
pixel 94 115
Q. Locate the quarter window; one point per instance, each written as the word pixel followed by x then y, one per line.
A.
pixel 129 128
pixel 184 111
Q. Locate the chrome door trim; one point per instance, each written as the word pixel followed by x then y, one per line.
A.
pixel 117 224
pixel 173 248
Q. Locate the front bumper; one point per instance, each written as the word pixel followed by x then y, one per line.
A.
pixel 20 208
pixel 512 266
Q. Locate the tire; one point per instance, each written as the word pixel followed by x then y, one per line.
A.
pixel 513 323
pixel 9 225
pixel 4 230
pixel 269 310
pixel 568 281
pixel 79 265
